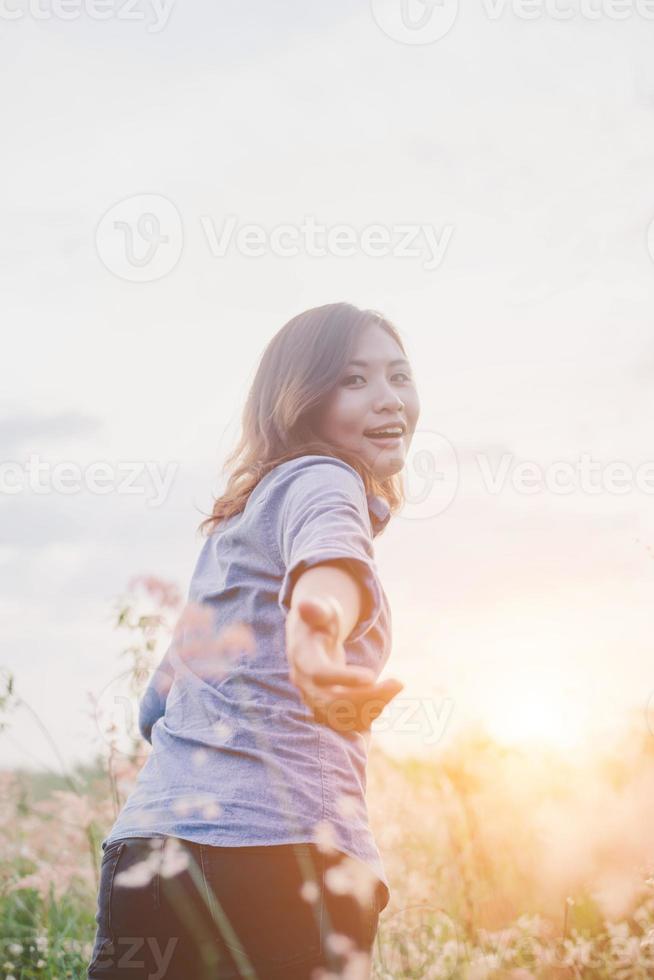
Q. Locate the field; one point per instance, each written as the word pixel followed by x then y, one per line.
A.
pixel 504 862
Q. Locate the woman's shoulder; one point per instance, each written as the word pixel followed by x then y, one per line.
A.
pixel 325 484
pixel 311 477
pixel 314 468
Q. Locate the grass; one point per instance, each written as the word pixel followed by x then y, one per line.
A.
pixel 505 863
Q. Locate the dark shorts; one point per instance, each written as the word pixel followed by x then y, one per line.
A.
pixel 170 909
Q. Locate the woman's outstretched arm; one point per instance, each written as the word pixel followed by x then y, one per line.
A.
pixel 331 580
pixel 324 608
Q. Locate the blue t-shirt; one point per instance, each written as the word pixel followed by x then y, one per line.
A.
pixel 239 760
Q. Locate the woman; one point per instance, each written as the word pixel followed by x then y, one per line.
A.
pixel 245 849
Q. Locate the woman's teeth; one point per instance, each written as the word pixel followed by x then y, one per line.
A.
pixel 386 434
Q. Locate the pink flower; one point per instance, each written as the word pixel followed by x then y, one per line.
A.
pixel 212 651
pixel 164 593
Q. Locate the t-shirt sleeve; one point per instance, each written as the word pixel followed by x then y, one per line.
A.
pixel 319 514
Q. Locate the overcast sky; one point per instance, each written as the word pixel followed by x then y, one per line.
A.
pixel 521 154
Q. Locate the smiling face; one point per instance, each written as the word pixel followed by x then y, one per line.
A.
pixel 376 390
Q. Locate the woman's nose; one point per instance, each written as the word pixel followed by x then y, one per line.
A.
pixel 390 400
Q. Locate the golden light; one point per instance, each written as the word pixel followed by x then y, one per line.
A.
pixel 537 703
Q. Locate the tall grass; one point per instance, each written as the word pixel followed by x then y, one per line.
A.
pixel 504 862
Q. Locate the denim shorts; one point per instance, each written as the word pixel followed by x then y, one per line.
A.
pixel 172 909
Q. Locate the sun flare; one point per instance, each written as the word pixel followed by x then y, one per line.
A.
pixel 536 707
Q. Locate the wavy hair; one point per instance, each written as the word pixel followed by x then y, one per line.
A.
pixel 299 368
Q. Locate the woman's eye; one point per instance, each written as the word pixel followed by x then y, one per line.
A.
pixel 353 377
pixel 401 374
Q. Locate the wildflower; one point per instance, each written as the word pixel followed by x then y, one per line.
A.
pixel 182 806
pixel 357 966
pixel 483 966
pixel 211 811
pixel 339 943
pixel 222 730
pixel 174 858
pixel 351 877
pixel 138 875
pixel 164 593
pixel 347 805
pixel 324 836
pixel 212 651
pixel 310 891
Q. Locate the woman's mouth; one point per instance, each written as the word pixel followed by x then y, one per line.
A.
pixel 390 437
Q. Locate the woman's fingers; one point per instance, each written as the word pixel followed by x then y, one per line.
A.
pixel 348 675
pixel 382 692
pixel 353 709
pixel 321 614
pixel 343 696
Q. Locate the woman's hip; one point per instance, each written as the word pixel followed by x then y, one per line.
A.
pixel 170 908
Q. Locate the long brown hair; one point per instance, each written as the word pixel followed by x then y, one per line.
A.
pixel 299 367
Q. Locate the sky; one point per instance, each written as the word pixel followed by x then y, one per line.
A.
pixel 157 169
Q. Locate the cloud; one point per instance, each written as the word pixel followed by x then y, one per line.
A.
pixel 22 431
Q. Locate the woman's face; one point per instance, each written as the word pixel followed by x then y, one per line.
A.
pixel 375 390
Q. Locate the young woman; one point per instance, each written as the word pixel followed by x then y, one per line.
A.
pixel 245 849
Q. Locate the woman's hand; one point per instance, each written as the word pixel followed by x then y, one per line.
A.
pixel 342 696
